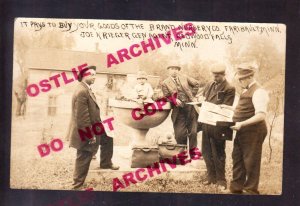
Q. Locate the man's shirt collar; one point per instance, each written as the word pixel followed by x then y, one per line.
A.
pixel 251 84
pixel 87 85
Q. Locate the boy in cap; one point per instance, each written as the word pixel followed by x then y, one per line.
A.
pixel 143 90
pixel 249 115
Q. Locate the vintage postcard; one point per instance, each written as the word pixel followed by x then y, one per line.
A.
pixel 148 106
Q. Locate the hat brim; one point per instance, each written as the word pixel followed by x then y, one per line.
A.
pixel 242 76
pixel 82 72
pixel 222 72
pixel 177 67
pixel 92 67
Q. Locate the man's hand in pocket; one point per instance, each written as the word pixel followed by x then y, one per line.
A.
pixel 92 140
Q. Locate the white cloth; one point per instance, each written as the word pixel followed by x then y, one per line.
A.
pixel 260 99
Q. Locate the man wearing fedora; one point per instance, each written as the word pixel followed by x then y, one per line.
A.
pixel 219 92
pixel 85 113
pixel 249 115
pixel 184 116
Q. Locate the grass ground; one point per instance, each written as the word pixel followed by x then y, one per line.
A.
pixel 30 171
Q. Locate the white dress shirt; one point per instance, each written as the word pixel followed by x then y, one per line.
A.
pixel 260 99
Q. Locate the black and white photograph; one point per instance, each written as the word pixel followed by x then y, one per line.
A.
pixel 148 106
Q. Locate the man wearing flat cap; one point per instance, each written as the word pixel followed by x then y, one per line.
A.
pixel 184 116
pixel 85 113
pixel 219 92
pixel 249 115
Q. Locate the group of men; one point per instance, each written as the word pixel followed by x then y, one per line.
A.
pixel 249 117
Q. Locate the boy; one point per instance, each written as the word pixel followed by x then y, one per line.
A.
pixel 144 91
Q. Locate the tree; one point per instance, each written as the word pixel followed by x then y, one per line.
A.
pixel 270 64
pixel 24 41
pixel 263 52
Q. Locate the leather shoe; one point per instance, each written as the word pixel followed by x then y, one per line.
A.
pixel 250 192
pixel 236 191
pixel 112 167
pixel 77 186
pixel 222 185
pixel 222 188
pixel 208 182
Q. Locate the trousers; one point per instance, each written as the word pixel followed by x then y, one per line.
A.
pixel 213 150
pixel 246 157
pixel 185 126
pixel 83 160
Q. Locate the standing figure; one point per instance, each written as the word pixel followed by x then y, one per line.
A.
pixel 184 116
pixel 85 113
pixel 249 115
pixel 21 95
pixel 219 92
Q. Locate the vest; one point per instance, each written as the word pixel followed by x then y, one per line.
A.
pixel 245 108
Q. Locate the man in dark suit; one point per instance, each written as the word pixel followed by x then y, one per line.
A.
pixel 213 145
pixel 184 116
pixel 85 113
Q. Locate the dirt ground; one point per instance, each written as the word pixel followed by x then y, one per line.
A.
pixel 54 172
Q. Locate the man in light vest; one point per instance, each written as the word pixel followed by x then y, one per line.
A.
pixel 249 115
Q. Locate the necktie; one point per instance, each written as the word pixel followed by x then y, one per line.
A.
pixel 176 81
pixel 215 86
pixel 92 93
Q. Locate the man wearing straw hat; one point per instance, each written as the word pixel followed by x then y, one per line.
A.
pixel 184 116
pixel 249 115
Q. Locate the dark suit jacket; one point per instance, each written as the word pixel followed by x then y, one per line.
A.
pixel 224 94
pixel 190 87
pixel 85 113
